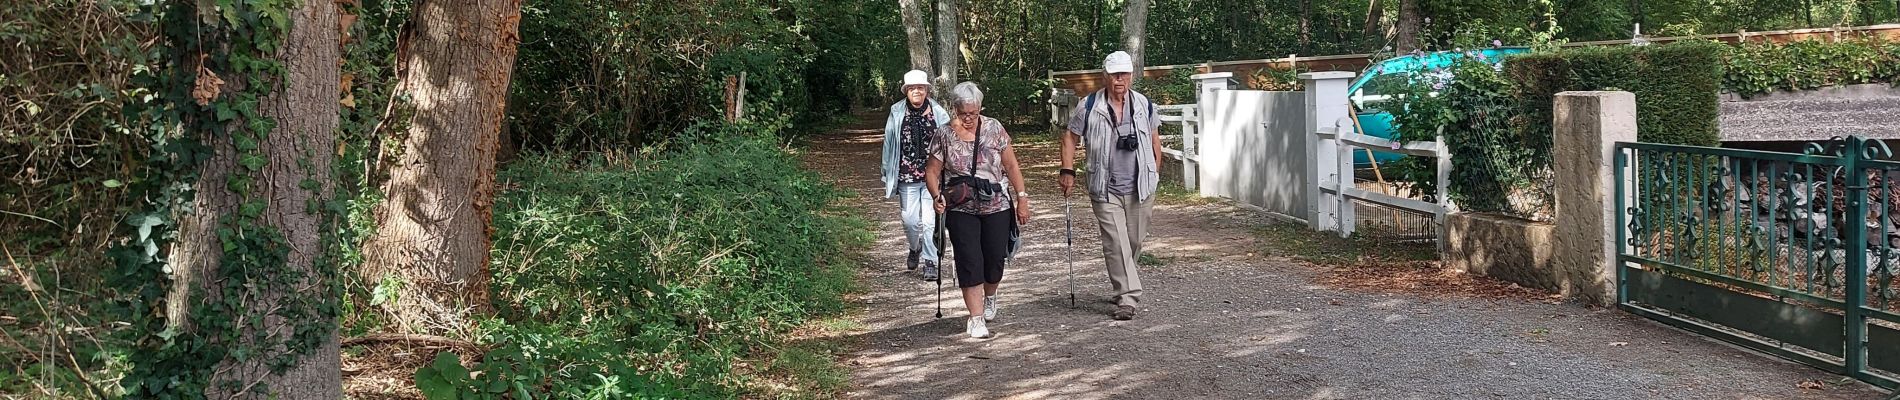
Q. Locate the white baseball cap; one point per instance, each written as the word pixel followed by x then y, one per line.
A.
pixel 1118 62
pixel 915 77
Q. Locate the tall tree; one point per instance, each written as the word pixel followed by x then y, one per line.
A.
pixel 1135 33
pixel 917 34
pixel 1406 39
pixel 1306 26
pixel 249 249
pixel 1375 20
pixel 454 59
pixel 949 46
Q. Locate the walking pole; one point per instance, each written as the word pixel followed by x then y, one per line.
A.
pixel 940 250
pixel 1069 225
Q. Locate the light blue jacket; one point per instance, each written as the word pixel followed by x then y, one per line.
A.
pixel 893 138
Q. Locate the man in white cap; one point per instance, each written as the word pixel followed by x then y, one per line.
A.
pixel 907 134
pixel 1117 126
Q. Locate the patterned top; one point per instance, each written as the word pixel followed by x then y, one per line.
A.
pixel 955 153
pixel 919 126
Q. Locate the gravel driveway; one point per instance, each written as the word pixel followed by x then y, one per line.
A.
pixel 1224 319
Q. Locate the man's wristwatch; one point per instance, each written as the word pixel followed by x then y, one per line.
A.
pixel 1022 195
pixel 1067 171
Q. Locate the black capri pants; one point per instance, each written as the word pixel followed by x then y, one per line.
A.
pixel 981 243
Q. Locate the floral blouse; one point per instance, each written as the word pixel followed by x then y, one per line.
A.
pixel 918 129
pixel 955 153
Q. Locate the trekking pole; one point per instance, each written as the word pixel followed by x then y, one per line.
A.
pixel 1068 223
pixel 940 250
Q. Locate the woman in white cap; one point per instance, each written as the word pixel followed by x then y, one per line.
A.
pixel 978 184
pixel 908 134
pixel 1117 126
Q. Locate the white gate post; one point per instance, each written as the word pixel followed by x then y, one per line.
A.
pixel 1326 159
pixel 1191 124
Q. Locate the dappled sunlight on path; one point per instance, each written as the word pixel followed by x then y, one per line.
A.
pixel 1224 319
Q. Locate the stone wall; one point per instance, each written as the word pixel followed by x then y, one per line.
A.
pixel 1513 249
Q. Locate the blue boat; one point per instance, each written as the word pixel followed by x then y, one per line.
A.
pixel 1379 123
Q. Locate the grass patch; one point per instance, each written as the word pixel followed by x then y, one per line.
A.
pixel 1171 192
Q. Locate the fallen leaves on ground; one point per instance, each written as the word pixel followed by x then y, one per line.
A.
pixel 1425 278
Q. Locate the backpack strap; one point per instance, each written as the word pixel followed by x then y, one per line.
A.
pixel 1088 110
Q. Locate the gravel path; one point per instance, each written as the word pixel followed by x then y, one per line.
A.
pixel 1224 320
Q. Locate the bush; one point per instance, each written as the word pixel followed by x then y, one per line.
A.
pixel 1493 168
pixel 1677 87
pixel 1756 68
pixel 655 276
pixel 1175 88
pixel 1498 121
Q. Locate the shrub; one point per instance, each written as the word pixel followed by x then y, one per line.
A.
pixel 655 276
pixel 1756 67
pixel 1677 87
pixel 1175 88
pixel 1498 121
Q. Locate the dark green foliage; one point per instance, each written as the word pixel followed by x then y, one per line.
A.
pixel 1490 163
pixel 661 272
pixel 613 74
pixel 1498 122
pixel 1756 68
pixel 1677 87
pixel 1175 88
pixel 68 155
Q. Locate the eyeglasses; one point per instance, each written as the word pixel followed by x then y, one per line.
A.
pixel 961 114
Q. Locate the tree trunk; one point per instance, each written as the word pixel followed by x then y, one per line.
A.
pixel 1409 21
pixel 1306 26
pixel 1135 33
pixel 917 35
pixel 298 153
pixel 1375 20
pixel 1095 32
pixel 454 62
pixel 948 46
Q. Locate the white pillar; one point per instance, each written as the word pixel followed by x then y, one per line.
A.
pixel 1191 130
pixel 1326 161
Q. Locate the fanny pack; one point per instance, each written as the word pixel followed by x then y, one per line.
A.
pixel 964 189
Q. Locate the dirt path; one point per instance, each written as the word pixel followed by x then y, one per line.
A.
pixel 1222 319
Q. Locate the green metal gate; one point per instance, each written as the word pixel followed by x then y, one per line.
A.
pixel 1790 254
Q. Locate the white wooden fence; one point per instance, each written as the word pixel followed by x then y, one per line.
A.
pixel 1186 116
pixel 1331 147
pixel 1339 188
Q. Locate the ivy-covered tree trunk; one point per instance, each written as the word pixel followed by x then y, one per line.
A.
pixel 1406 39
pixel 948 46
pixel 432 240
pixel 250 278
pixel 1135 33
pixel 916 34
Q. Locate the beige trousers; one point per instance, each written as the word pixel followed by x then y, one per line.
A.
pixel 1124 222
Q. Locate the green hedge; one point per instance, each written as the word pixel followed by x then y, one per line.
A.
pixel 1498 123
pixel 1756 68
pixel 1677 87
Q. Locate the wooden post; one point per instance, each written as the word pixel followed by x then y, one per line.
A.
pixel 1326 101
pixel 1203 100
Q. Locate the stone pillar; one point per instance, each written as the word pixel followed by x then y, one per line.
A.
pixel 1583 148
pixel 1190 132
pixel 1326 104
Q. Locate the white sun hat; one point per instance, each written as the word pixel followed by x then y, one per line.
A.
pixel 915 77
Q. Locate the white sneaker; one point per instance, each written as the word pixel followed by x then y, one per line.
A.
pixel 989 308
pixel 976 328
